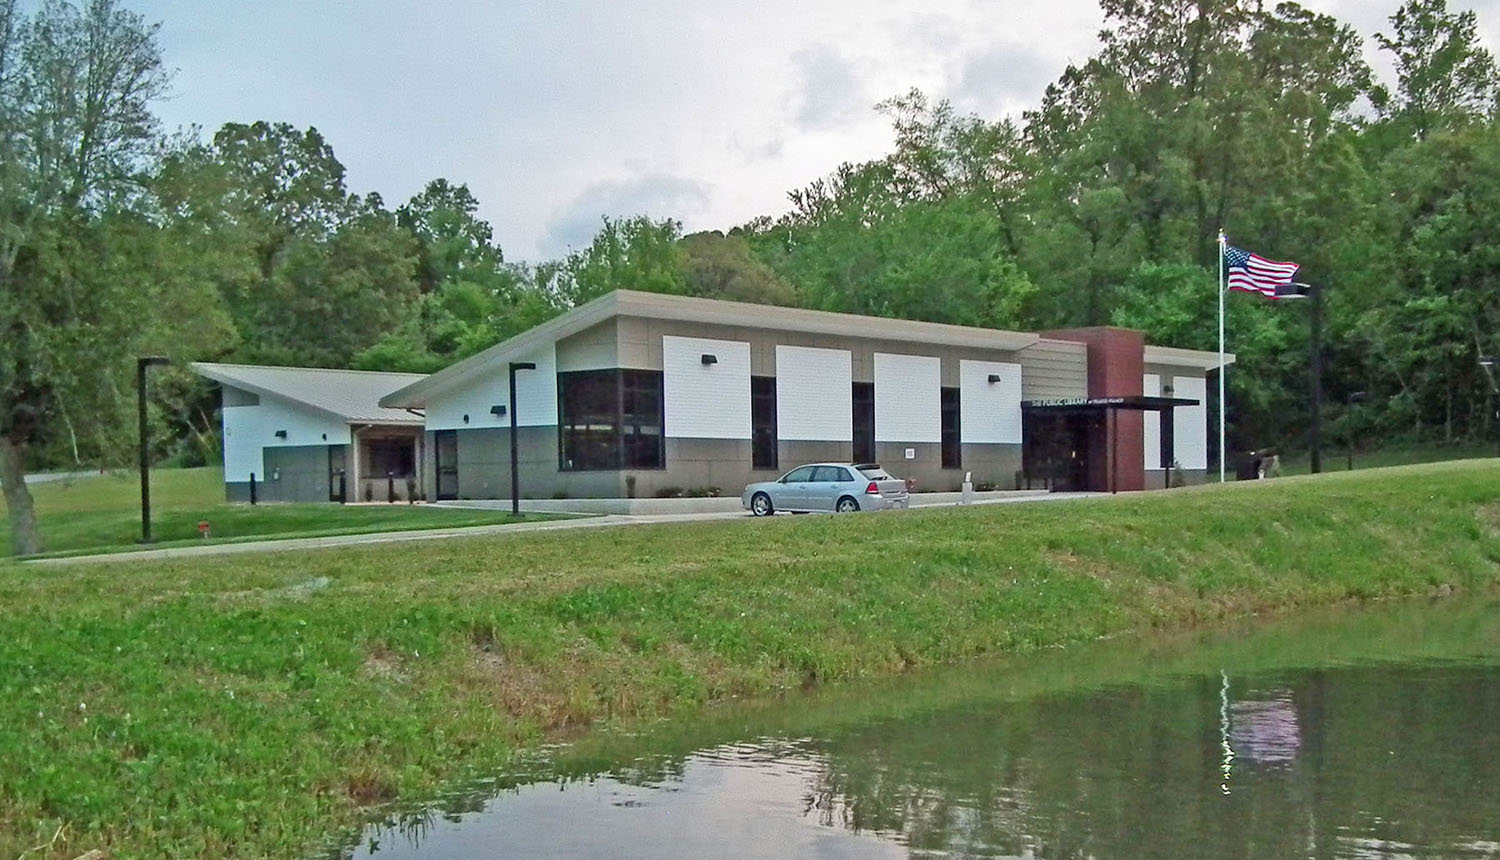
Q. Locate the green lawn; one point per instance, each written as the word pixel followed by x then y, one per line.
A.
pixel 103 514
pixel 1336 457
pixel 251 706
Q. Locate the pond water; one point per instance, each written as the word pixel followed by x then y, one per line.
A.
pixel 1357 733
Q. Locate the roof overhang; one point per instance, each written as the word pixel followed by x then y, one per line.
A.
pixel 1195 358
pixel 659 306
pixel 219 374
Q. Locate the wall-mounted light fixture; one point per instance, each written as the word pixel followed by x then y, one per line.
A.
pixel 280 434
pixel 498 409
pixel 466 418
pixel 710 358
pixel 994 378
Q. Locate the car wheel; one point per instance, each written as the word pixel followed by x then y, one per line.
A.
pixel 847 505
pixel 760 505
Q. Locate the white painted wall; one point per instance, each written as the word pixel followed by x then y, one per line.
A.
pixel 1190 423
pixel 248 430
pixel 988 412
pixel 706 401
pixel 814 394
pixel 536 391
pixel 908 398
pixel 1151 387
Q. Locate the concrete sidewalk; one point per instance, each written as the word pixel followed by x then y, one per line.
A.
pixel 607 521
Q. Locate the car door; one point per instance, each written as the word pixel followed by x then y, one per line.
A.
pixel 794 489
pixel 828 484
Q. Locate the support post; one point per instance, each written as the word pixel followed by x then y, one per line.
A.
pixel 1222 368
pixel 515 473
pixel 1315 381
pixel 145 441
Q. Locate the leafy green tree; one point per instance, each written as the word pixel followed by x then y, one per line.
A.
pixel 84 286
pixel 722 267
pixel 1446 77
pixel 635 253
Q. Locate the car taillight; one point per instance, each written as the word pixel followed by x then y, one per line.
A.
pixel 872 490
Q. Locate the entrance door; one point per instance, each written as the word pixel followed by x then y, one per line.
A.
pixel 1062 448
pixel 445 452
pixel 336 477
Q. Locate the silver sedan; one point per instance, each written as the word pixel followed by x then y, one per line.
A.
pixel 839 487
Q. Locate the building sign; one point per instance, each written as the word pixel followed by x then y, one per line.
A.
pixel 1073 401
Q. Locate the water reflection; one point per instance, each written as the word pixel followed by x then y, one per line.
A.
pixel 1344 758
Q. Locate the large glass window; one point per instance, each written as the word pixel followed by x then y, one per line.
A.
pixel 864 422
pixel 610 419
pixel 952 441
pixel 763 422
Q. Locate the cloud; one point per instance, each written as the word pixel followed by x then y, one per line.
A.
pixel 831 92
pixel 658 195
pixel 1005 79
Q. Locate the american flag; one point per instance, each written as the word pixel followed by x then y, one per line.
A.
pixel 1253 273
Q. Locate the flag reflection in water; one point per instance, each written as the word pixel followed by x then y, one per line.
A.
pixel 1263 729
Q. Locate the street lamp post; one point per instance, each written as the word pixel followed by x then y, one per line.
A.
pixel 1488 362
pixel 140 390
pixel 515 473
pixel 1354 397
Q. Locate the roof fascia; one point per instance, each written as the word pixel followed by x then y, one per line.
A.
pixel 416 395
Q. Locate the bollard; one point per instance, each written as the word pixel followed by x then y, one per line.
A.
pixel 252 488
pixel 203 529
pixel 390 488
pixel 966 491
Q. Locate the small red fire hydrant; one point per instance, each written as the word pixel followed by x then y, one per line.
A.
pixel 203 529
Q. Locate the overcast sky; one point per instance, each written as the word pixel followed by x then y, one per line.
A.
pixel 558 112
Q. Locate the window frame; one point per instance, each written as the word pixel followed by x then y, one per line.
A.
pixel 951 441
pixel 636 403
pixel 764 442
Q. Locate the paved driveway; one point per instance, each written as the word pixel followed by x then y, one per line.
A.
pixel 467 531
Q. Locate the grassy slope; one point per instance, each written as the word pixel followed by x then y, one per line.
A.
pixel 101 514
pixel 233 710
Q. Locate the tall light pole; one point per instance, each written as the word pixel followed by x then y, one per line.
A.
pixel 140 390
pixel 515 473
pixel 1354 397
pixel 1488 362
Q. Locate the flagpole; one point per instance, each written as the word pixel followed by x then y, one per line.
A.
pixel 1221 355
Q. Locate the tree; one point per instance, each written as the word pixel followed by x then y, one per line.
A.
pixel 76 130
pixel 1445 77
pixel 722 267
pixel 636 253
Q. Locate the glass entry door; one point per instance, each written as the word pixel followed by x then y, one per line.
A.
pixel 445 451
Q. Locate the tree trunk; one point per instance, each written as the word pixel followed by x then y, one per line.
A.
pixel 24 537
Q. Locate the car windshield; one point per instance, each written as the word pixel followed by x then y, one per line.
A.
pixel 875 473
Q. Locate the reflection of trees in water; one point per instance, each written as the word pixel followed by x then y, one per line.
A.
pixel 1327 763
pixel 1325 760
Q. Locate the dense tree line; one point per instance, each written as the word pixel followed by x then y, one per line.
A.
pixel 1101 206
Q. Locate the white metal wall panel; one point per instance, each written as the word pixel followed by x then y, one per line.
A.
pixel 989 412
pixel 908 398
pixel 1190 423
pixel 814 394
pixel 248 430
pixel 536 393
pixel 1151 387
pixel 706 401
